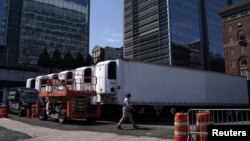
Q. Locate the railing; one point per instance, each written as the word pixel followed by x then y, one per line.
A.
pixel 85 84
pixel 215 117
pixel 79 83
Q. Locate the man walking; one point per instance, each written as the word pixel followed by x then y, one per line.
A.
pixel 126 108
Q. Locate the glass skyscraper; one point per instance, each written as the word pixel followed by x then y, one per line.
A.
pixel 174 32
pixel 34 25
pixel 3 20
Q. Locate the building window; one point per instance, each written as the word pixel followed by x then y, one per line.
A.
pixel 242 49
pixel 232 51
pixel 233 64
pixel 244 72
pixel 229 28
pixel 230 39
pixel 243 62
pixel 243 67
pixel 239 24
pixel 241 35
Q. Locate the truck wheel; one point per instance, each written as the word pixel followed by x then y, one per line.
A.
pixel 21 112
pixel 9 111
pixel 43 115
pixel 62 117
pixel 172 111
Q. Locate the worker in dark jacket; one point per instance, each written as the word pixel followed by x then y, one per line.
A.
pixel 126 108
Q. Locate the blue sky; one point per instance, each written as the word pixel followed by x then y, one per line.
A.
pixel 106 23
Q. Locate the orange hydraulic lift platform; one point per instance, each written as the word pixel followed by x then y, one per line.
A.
pixel 69 98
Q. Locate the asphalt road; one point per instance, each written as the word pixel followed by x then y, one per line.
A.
pixel 10 135
pixel 149 129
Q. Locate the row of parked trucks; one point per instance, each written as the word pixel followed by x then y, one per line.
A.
pixel 155 89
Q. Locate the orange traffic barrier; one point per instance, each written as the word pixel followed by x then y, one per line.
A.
pixel 180 127
pixel 33 109
pixel 69 109
pixel 203 119
pixel 3 111
pixel 28 114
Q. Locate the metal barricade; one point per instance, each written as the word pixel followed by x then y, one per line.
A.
pixel 214 117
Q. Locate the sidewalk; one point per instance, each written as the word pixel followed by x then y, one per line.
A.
pixel 44 134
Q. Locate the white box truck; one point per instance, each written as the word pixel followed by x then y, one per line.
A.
pixel 168 87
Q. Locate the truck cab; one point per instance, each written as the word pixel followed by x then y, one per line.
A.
pixel 21 99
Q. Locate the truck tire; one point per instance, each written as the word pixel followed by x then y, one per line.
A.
pixel 43 115
pixel 62 118
pixel 21 112
pixel 9 111
pixel 172 111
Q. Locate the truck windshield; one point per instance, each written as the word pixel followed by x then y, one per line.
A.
pixel 29 97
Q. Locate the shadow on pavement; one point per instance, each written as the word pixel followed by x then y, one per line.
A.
pixel 85 123
pixel 10 135
pixel 169 121
pixel 105 126
pixel 139 128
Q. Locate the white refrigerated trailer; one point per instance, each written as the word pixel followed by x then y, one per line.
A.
pixel 30 83
pixel 164 86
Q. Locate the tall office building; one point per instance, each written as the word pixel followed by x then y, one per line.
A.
pixel 3 21
pixel 174 32
pixel 3 24
pixel 30 26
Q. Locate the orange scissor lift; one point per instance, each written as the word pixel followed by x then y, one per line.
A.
pixel 69 98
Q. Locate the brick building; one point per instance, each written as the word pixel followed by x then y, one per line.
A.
pixel 97 54
pixel 100 53
pixel 236 36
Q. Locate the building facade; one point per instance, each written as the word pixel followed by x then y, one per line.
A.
pixel 111 53
pixel 3 21
pixel 97 54
pixel 236 35
pixel 106 53
pixel 3 29
pixel 173 32
pixel 34 25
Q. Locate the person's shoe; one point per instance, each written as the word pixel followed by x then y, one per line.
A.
pixel 119 127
